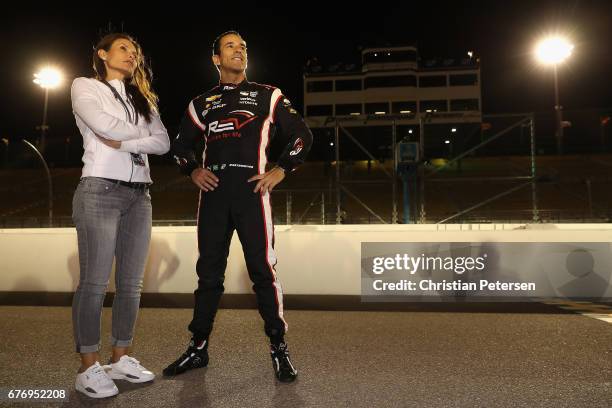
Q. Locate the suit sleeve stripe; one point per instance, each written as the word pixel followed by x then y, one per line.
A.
pixel 276 97
pixel 194 117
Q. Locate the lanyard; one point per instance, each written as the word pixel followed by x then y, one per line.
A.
pixel 136 158
pixel 120 99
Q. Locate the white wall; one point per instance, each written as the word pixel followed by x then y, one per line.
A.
pixel 313 259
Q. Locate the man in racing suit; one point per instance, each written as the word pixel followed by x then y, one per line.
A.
pixel 234 120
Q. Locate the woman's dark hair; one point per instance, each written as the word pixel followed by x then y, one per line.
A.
pixel 138 87
pixel 216 47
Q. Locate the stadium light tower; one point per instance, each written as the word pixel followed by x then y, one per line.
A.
pixel 47 78
pixel 554 51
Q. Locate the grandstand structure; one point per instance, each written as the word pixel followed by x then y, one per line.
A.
pixel 392 91
pixel 362 113
pixel 393 84
pixel 396 97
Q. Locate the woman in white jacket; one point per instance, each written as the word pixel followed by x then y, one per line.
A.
pixel 117 115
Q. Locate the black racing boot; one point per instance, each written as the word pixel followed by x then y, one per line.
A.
pixel 285 372
pixel 196 356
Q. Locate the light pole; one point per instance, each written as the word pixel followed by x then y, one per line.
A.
pixel 49 179
pixel 6 151
pixel 553 51
pixel 47 78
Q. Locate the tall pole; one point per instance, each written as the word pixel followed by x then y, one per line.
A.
pixel 553 51
pixel 323 208
pixel 6 152
pixel 289 205
pixel 394 178
pixel 43 127
pixel 50 182
pixel 534 186
pixel 421 167
pixel 338 195
pixel 558 113
pixel 406 194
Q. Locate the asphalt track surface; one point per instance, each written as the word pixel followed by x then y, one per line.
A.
pixel 529 355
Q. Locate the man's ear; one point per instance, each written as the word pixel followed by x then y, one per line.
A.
pixel 217 61
pixel 102 54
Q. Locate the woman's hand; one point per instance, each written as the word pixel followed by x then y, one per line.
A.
pixel 115 144
pixel 268 180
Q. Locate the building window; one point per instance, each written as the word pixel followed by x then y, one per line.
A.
pixel 348 109
pixel 348 85
pixel 379 57
pixel 390 81
pixel 433 106
pixel 319 110
pixel 377 108
pixel 404 107
pixel 431 81
pixel 464 105
pixel 464 80
pixel 319 86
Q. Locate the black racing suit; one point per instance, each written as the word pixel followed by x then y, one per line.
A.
pixel 234 122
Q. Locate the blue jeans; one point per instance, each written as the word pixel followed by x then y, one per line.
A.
pixel 112 221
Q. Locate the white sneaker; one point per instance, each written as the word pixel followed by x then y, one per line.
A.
pixel 95 383
pixel 128 368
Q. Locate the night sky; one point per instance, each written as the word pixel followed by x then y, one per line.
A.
pixel 176 39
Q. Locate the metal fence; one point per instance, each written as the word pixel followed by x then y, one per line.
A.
pixel 493 170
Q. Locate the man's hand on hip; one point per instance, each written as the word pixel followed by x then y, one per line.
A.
pixel 204 179
pixel 268 180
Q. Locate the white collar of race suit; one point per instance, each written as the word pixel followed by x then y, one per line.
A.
pixel 230 86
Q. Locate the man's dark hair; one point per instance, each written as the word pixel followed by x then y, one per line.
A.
pixel 216 47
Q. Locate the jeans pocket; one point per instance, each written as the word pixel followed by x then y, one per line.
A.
pixel 98 186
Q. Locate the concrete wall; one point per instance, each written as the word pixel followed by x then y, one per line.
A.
pixel 323 260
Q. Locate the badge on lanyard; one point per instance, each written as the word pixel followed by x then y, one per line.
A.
pixel 137 159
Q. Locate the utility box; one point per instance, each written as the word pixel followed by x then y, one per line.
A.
pixel 406 154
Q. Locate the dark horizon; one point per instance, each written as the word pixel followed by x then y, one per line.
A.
pixel 178 47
